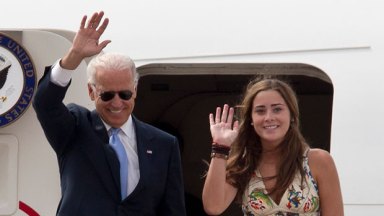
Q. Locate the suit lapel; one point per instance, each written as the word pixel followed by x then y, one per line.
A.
pixel 144 152
pixel 105 166
pixel 110 164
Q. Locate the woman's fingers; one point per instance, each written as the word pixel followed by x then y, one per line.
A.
pixel 230 115
pixel 224 114
pixel 217 117
pixel 211 121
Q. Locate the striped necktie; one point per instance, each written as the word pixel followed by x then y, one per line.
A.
pixel 117 145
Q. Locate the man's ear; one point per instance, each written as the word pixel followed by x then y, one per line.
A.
pixel 134 92
pixel 91 92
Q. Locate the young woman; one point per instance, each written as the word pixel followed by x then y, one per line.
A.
pixel 264 162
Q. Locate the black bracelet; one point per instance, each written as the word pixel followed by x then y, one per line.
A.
pixel 218 155
pixel 220 149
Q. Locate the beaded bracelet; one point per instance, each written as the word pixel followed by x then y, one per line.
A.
pixel 218 155
pixel 222 149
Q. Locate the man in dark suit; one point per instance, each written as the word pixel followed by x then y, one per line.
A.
pixel 91 173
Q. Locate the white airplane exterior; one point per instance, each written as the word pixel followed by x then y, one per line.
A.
pixel 193 56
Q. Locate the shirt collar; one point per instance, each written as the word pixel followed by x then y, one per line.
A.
pixel 127 127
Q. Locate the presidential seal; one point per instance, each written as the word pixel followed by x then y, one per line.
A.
pixel 17 80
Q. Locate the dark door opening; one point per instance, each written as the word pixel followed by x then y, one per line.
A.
pixel 179 97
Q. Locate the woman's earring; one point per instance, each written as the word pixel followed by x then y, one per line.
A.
pixel 292 121
pixel 251 123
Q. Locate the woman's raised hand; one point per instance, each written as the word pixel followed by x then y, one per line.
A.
pixel 223 128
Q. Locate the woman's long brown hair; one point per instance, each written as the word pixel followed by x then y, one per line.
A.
pixel 246 150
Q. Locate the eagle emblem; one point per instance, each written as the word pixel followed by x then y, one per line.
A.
pixel 4 68
pixel 17 80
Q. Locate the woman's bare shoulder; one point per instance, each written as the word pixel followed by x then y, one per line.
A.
pixel 317 153
pixel 320 161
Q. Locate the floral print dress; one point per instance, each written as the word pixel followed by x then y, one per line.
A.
pixel 297 199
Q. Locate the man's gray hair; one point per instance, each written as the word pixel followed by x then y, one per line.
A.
pixel 111 61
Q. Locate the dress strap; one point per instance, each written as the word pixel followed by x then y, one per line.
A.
pixel 307 170
pixel 306 152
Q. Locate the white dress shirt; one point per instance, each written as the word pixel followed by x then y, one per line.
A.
pixel 127 135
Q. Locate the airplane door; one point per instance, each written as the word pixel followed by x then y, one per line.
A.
pixel 179 97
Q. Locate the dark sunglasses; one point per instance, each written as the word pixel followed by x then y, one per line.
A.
pixel 109 95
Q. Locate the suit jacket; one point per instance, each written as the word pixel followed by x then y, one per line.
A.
pixel 89 168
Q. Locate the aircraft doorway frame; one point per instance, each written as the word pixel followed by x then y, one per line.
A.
pixel 178 98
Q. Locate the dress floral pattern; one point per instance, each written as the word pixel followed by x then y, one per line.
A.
pixel 297 200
